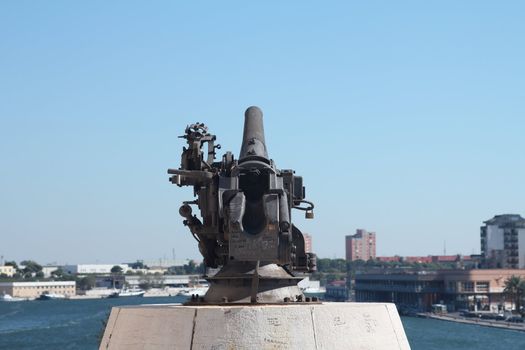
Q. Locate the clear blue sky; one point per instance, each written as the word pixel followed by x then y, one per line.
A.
pixel 405 118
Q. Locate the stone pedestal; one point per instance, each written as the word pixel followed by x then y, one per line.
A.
pixel 300 326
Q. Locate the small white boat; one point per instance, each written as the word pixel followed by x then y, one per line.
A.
pixel 51 296
pixel 317 292
pixel 8 298
pixel 199 291
pixel 127 293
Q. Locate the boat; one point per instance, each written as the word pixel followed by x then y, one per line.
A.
pixel 8 298
pixel 198 291
pixel 314 292
pixel 127 293
pixel 50 296
pixel 312 289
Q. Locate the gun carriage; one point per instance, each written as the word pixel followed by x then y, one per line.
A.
pixel 245 225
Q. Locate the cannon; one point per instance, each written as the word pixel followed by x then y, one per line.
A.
pixel 245 230
pixel 246 235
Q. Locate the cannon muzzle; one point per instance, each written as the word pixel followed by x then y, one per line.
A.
pixel 253 145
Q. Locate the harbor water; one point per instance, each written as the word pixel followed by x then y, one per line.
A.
pixel 78 324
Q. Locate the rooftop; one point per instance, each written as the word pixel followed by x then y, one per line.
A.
pixel 506 220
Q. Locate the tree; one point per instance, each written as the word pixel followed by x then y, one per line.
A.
pixel 138 265
pixel 514 288
pixel 116 269
pixel 115 272
pixel 30 267
pixel 87 282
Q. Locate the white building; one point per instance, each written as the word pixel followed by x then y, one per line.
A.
pixel 93 268
pixel 9 271
pixel 503 242
pixel 168 262
pixel 35 289
pixel 47 270
pixel 167 280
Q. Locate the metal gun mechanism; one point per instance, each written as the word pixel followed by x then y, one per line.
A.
pixel 245 226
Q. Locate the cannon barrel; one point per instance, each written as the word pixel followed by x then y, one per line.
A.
pixel 253 145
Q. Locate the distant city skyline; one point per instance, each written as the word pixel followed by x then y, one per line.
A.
pixel 405 119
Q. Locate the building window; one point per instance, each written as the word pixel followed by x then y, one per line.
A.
pixel 467 286
pixel 482 286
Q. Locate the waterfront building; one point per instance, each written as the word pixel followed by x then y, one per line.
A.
pixel 166 263
pixel 154 270
pixel 166 280
pixel 361 245
pixel 134 281
pixel 395 258
pixel 478 289
pixel 81 269
pixel 337 291
pixel 35 289
pixel 418 259
pixel 460 260
pixel 503 242
pixel 9 271
pixel 307 243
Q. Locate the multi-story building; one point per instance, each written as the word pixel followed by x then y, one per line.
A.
pixel 307 243
pixel 337 291
pixel 35 289
pixel 478 289
pixel 503 242
pixel 9 271
pixel 469 261
pixel 361 246
pixel 92 268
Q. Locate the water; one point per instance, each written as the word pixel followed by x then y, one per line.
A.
pixel 429 334
pixel 60 324
pixel 78 324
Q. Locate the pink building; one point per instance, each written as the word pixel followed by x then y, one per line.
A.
pixel 361 246
pixel 389 258
pixel 418 259
pixel 426 259
pixel 307 243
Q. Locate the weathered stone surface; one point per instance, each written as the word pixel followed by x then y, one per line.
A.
pixel 359 326
pixel 363 326
pixel 152 327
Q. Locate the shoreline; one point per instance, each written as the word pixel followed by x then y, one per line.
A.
pixel 146 295
pixel 98 296
pixel 475 321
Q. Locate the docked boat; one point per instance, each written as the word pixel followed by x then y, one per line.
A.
pixel 8 298
pixel 127 293
pixel 315 292
pixel 199 291
pixel 51 296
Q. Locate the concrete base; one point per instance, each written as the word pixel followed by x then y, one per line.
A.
pixel 330 326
